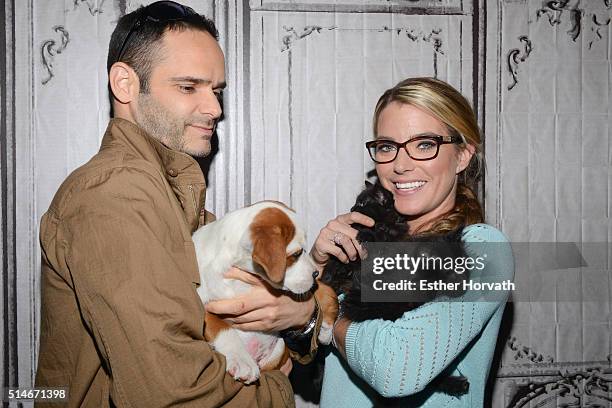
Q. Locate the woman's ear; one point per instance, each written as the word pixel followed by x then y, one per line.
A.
pixel 124 82
pixel 464 155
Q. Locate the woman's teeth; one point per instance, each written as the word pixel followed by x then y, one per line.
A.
pixel 409 186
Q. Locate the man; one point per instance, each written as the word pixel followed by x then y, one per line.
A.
pixel 122 324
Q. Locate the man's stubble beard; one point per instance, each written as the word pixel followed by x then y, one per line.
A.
pixel 165 126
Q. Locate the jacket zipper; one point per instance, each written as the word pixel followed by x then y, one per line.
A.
pixel 193 198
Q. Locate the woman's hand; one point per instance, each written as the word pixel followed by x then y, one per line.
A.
pixel 339 239
pixel 263 308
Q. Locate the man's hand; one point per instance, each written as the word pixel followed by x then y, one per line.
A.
pixel 287 367
pixel 263 308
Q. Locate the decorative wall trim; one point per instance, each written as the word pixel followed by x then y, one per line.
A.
pixel 555 9
pixel 425 7
pixel 293 36
pixel 524 352
pixel 515 58
pixel 432 37
pixel 597 28
pixel 50 49
pixel 578 389
pixel 94 6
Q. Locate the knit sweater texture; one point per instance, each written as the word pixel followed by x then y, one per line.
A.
pixel 392 363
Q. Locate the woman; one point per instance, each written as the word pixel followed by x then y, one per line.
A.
pixel 427 150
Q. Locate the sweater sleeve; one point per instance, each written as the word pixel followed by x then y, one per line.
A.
pixel 399 358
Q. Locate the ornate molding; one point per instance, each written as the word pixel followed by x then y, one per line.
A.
pixel 515 58
pixel 94 6
pixel 292 35
pixel 555 9
pixel 582 388
pixel 597 27
pixel 50 49
pixel 432 37
pixel 524 352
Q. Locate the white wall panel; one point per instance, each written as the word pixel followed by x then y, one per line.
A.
pixel 547 138
pixel 303 80
pixel 315 79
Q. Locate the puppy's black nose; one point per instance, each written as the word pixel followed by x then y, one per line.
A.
pixel 315 274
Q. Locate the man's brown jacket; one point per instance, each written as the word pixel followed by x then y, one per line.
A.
pixel 121 321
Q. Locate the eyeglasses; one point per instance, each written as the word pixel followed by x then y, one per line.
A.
pixel 158 12
pixel 418 148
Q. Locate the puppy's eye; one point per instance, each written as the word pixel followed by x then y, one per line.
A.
pixel 297 254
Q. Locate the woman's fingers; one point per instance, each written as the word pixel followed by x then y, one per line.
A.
pixel 342 229
pixel 339 239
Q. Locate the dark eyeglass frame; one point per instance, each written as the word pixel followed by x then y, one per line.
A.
pixel 440 140
pixel 158 12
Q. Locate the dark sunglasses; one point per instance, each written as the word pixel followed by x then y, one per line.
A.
pixel 158 12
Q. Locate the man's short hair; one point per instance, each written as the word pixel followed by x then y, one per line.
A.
pixel 141 49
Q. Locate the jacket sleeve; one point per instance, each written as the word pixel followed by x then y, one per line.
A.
pixel 305 353
pixel 399 358
pixel 138 300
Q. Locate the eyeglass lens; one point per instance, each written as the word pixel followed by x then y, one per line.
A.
pixel 418 149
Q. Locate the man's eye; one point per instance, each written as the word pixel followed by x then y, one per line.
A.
pixel 187 88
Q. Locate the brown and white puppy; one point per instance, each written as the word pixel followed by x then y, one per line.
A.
pixel 263 239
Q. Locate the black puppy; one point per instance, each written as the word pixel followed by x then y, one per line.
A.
pixel 390 226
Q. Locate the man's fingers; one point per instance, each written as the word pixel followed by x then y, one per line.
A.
pixel 244 276
pixel 232 307
pixel 287 367
pixel 251 326
pixel 252 316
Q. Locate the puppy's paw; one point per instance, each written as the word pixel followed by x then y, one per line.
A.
pixel 242 367
pixel 239 363
pixel 326 332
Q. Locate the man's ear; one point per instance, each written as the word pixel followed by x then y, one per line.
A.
pixel 124 82
pixel 465 155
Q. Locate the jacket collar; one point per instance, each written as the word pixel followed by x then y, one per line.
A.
pixel 181 170
pixel 128 134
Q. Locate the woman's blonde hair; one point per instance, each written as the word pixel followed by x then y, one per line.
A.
pixel 450 107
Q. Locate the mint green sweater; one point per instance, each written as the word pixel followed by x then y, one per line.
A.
pixel 391 363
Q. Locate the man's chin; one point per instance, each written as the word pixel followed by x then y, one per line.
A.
pixel 200 151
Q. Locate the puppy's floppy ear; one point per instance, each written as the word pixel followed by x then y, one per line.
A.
pixel 271 232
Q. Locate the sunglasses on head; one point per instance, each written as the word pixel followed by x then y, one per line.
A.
pixel 158 12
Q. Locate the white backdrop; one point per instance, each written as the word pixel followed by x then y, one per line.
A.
pixel 303 79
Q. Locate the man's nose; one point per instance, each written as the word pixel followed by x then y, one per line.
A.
pixel 211 105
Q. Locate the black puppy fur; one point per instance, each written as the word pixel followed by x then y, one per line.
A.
pixel 377 203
